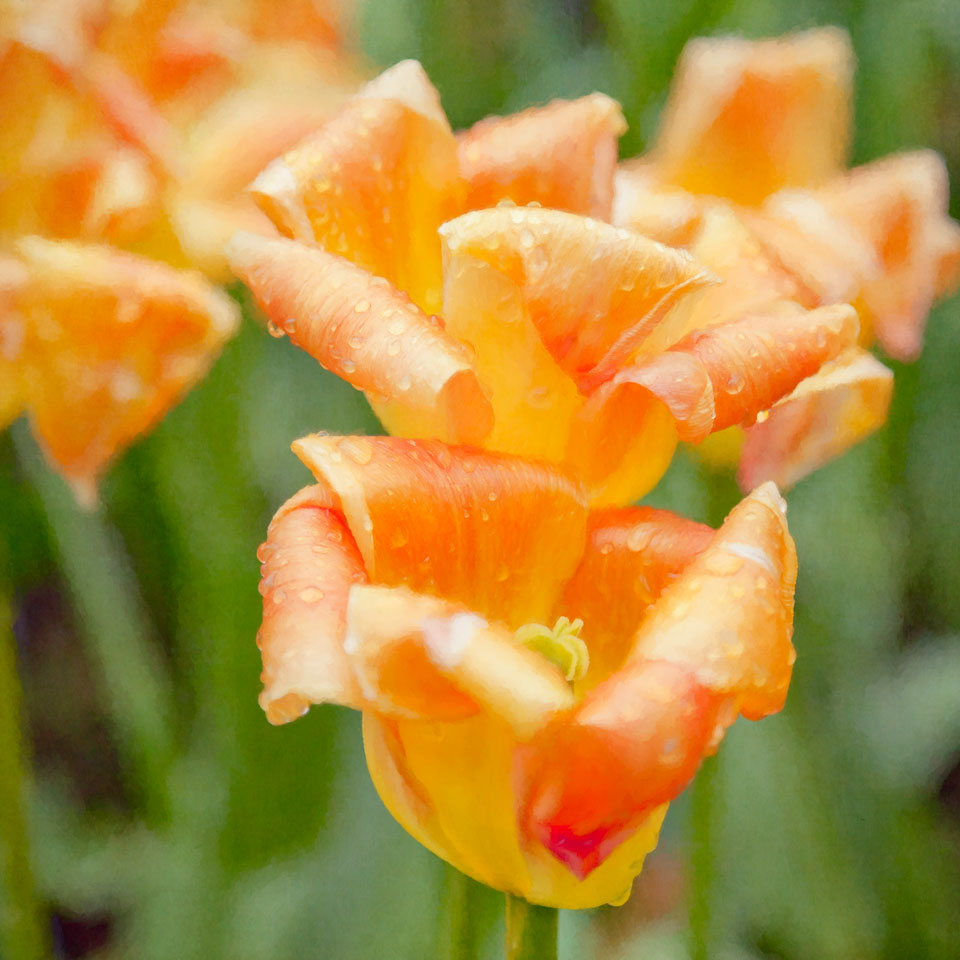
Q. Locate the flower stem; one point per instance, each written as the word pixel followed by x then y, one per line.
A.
pixel 706 792
pixel 22 933
pixel 114 626
pixel 703 817
pixel 531 930
pixel 459 936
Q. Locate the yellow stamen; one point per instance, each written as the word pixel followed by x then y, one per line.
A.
pixel 562 645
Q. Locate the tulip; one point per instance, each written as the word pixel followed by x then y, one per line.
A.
pixel 418 582
pixel 580 339
pixel 127 143
pixel 751 155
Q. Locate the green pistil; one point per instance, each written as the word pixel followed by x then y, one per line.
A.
pixel 562 645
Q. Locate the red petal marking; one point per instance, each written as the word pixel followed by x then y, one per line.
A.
pixel 632 744
pixel 560 156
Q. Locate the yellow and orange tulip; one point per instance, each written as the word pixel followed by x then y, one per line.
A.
pixel 577 342
pixel 128 136
pixel 751 153
pixel 407 583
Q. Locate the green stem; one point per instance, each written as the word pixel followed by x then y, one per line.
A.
pixel 703 823
pixel 706 794
pixel 22 930
pixel 114 627
pixel 460 929
pixel 531 930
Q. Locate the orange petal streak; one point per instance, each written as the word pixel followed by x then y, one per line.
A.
pixel 367 332
pixel 310 561
pixel 745 118
pixel 373 184
pixel 845 401
pixel 561 156
pixel 728 374
pixel 497 534
pixel 632 554
pixel 728 618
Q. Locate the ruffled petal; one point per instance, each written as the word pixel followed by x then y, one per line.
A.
pixel 642 202
pixel 310 561
pixel 369 333
pixel 745 118
pixel 728 618
pixel 899 204
pixel 717 642
pixel 593 292
pixel 561 156
pixel 373 184
pixel 845 401
pixel 632 554
pixel 424 657
pixel 497 534
pixel 113 340
pixel 635 741
pixel 753 281
pixel 727 374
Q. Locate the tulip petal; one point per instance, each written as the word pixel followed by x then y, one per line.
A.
pixel 728 618
pixel 641 202
pixel 373 184
pixel 899 204
pixel 13 277
pixel 753 281
pixel 310 561
pixel 633 743
pixel 845 401
pixel 367 332
pixel 590 320
pixel 420 656
pixel 632 554
pixel 497 534
pixel 716 642
pixel 745 118
pixel 115 339
pixel 561 156
pixel 727 374
pixel 831 258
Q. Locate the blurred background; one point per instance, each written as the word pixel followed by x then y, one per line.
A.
pixel 167 819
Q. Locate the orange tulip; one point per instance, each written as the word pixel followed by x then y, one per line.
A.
pixel 560 336
pixel 751 154
pixel 416 582
pixel 131 125
pixel 100 344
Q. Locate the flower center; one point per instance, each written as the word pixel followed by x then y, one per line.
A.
pixel 562 645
